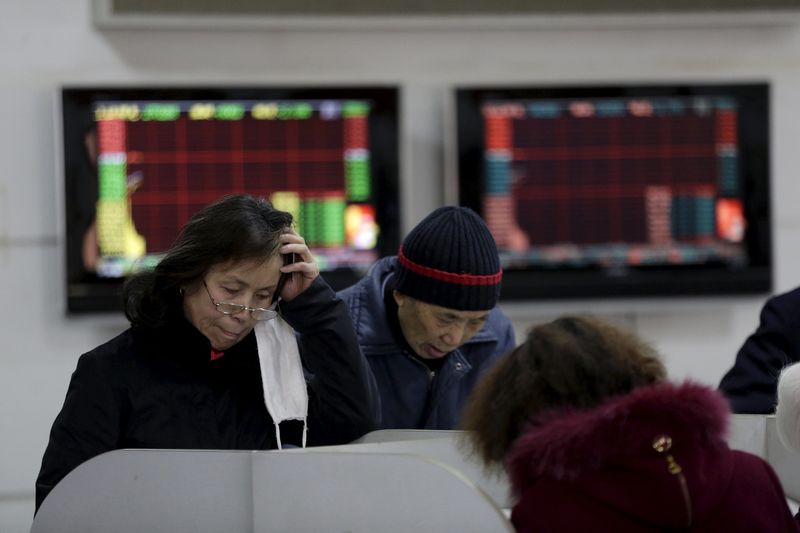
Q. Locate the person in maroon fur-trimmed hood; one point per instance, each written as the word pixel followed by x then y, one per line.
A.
pixel 595 439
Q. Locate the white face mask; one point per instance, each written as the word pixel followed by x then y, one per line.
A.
pixel 285 393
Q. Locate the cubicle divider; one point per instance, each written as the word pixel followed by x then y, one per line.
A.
pixel 446 447
pixel 758 434
pixel 152 491
pixel 392 480
pixel 785 461
pixel 177 491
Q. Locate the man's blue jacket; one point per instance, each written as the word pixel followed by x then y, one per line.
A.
pixel 403 382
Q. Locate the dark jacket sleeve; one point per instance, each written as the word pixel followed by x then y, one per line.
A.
pixel 88 425
pixel 341 401
pixel 752 382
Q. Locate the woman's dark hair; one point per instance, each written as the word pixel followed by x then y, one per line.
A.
pixel 572 362
pixel 234 228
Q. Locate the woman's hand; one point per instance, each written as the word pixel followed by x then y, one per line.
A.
pixel 302 272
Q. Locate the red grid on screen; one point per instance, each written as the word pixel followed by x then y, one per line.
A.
pixel 586 180
pixel 186 164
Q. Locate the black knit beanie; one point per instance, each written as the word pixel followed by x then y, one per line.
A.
pixel 450 259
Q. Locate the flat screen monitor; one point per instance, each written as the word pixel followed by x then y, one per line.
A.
pixel 138 162
pixel 623 190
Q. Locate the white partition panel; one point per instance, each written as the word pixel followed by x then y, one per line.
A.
pixel 443 446
pixel 397 435
pixel 785 461
pixel 152 491
pixel 758 434
pixel 337 491
pixel 749 433
pixel 176 491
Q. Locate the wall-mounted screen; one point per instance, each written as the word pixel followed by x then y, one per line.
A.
pixel 139 162
pixel 626 190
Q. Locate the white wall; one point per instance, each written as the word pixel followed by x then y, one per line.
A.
pixel 46 43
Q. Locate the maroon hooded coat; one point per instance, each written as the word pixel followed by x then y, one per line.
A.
pixel 652 460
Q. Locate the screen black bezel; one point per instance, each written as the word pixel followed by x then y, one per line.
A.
pixel 86 292
pixel 683 280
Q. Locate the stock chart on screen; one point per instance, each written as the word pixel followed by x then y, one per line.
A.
pixel 157 158
pixel 616 190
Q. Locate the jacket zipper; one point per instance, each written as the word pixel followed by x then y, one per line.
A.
pixel 428 402
pixel 684 489
pixel 662 444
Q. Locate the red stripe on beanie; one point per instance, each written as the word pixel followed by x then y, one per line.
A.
pixel 449 277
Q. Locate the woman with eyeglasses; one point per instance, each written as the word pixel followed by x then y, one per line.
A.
pixel 209 325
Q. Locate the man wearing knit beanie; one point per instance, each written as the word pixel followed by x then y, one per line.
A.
pixel 427 320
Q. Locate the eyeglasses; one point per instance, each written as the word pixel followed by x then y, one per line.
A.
pixel 258 313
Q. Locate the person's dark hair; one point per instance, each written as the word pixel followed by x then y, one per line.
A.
pixel 572 362
pixel 238 227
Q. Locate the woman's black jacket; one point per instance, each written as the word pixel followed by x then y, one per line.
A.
pixel 160 389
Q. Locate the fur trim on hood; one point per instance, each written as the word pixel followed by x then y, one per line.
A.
pixel 567 443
